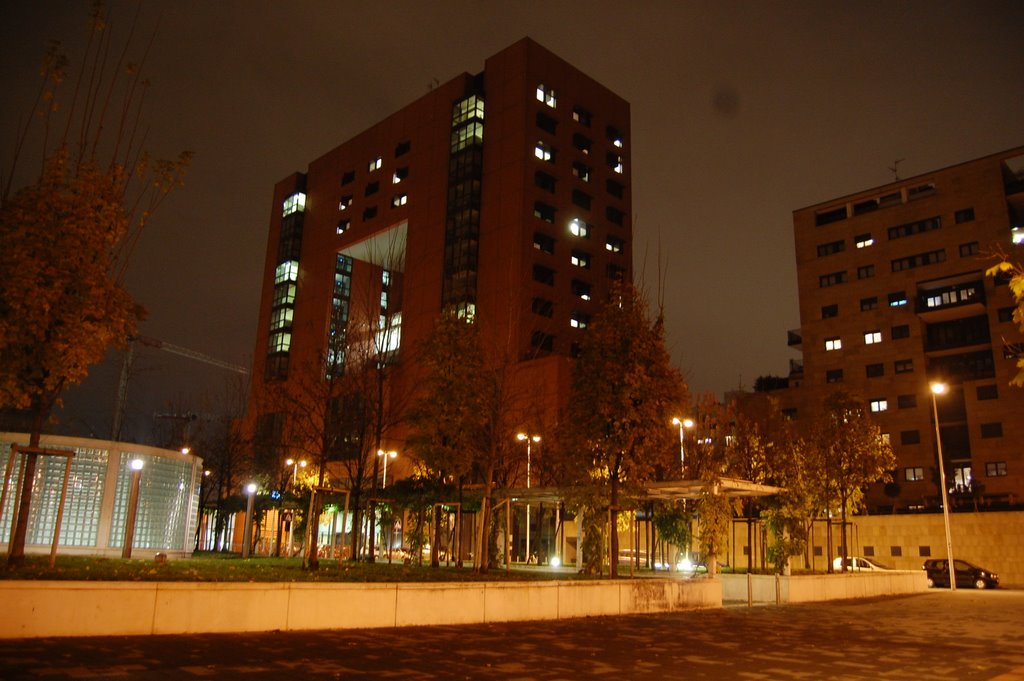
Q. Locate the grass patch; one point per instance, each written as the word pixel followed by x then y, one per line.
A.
pixel 232 568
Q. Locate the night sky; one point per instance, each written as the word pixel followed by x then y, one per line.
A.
pixel 742 112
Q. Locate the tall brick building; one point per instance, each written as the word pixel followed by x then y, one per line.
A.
pixel 503 196
pixel 893 297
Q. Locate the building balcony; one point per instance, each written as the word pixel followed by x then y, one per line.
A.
pixel 950 298
pixel 794 339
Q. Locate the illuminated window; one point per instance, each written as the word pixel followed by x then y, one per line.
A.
pixel 295 203
pixel 615 162
pixel 885 438
pixel 872 337
pixel 581 116
pixel 614 244
pixel 995 469
pixel 581 289
pixel 879 405
pixel 546 94
pixel 544 152
pixel 897 299
pixel 581 143
pixel 284 294
pixel 580 259
pixel 345 202
pixel 1017 235
pixel 579 228
pixel 581 170
pixel 543 243
pixel 286 271
pixel 614 136
pixel 913 474
pixel 400 174
pixel 543 211
pixel 376 163
pixel 863 241
pixel 280 342
pixel 833 344
pixel 399 200
pixel 281 318
pixel 343 226
pixel 579 320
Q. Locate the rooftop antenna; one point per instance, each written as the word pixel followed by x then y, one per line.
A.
pixel 894 168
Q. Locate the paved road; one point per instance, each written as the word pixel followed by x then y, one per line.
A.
pixel 939 635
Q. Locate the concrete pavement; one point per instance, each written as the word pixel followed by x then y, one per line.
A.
pixel 939 635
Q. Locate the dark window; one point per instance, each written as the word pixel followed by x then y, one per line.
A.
pixel 896 551
pixel 543 211
pixel 988 392
pixel 875 370
pixel 920 191
pixel 544 275
pixel 965 215
pixel 615 188
pixel 903 366
pixel 369 213
pixel 833 375
pixel 371 188
pixel 924 551
pixel 543 307
pixel 910 437
pixel 868 303
pixel 831 248
pixel 969 249
pixel 546 123
pixel 543 243
pixel 906 401
pixel 992 430
pixel 826 280
pixel 581 116
pixel 347 177
pixel 912 228
pixel 1005 314
pixel 581 170
pixel 581 142
pixel 544 181
pixel 403 148
pixel 581 199
pixel 900 331
pixel 919 260
pixel 865 271
pixel 828 216
pixel 869 551
pixel 615 215
pixel 542 341
pixel 615 272
pixel 829 311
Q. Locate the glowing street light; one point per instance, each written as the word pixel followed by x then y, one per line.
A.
pixel 528 439
pixel 682 423
pixel 296 465
pixel 386 455
pixel 133 508
pixel 939 388
pixel 247 528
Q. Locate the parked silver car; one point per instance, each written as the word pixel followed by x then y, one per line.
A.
pixel 856 563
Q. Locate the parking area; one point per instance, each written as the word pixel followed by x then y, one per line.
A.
pixel 960 635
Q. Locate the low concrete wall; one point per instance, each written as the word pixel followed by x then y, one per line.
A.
pixel 41 608
pixel 808 588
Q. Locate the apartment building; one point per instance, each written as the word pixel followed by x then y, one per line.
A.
pixel 894 298
pixel 502 196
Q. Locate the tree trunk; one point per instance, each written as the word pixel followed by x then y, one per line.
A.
pixel 483 548
pixel 16 555
pixel 613 533
pixel 435 559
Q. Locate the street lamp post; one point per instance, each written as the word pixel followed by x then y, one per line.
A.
pixel 682 423
pixel 133 508
pixel 247 528
pixel 386 455
pixel 528 439
pixel 295 468
pixel 940 389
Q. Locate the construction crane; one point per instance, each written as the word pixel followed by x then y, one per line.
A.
pixel 122 389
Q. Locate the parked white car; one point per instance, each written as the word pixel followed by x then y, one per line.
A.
pixel 857 563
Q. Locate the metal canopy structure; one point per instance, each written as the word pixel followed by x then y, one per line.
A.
pixel 662 491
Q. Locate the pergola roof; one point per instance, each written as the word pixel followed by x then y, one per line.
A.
pixel 663 491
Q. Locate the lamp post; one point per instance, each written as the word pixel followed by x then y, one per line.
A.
pixel 247 528
pixel 528 439
pixel 386 455
pixel 133 508
pixel 939 388
pixel 682 423
pixel 295 468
